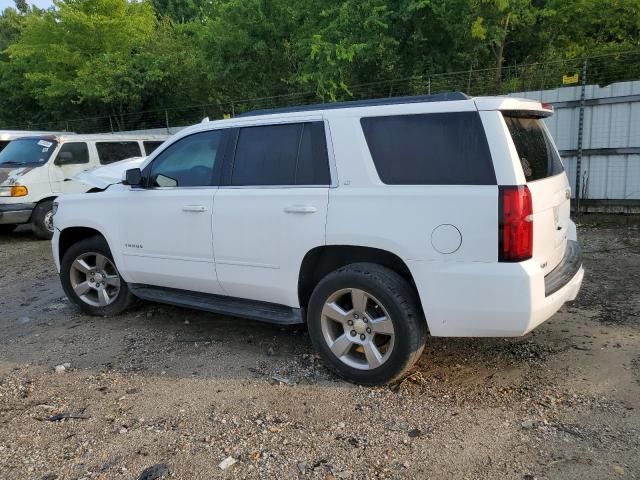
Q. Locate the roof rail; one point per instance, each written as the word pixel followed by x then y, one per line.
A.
pixel 438 97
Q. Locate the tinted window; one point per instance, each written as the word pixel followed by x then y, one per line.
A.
pixel 538 157
pixel 3 144
pixel 313 161
pixel 291 154
pixel 72 153
pixel 110 152
pixel 430 149
pixel 27 150
pixel 151 145
pixel 187 163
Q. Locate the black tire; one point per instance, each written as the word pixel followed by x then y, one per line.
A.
pixel 39 219
pixel 7 228
pixel 400 301
pixel 96 244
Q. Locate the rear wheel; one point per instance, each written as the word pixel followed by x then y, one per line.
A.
pixel 42 220
pixel 8 228
pixel 91 280
pixel 365 322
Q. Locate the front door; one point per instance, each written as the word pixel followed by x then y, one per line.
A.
pixel 72 158
pixel 166 236
pixel 272 211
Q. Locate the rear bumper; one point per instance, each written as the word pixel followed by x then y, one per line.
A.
pixel 15 213
pixel 492 299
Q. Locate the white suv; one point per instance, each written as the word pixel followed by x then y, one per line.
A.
pixel 376 223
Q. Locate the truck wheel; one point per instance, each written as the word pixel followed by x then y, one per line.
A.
pixel 365 322
pixel 91 280
pixel 42 220
pixel 7 228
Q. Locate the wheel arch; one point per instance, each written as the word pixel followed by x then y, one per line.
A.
pixel 72 235
pixel 49 198
pixel 320 261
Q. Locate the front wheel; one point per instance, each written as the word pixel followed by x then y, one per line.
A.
pixel 91 280
pixel 42 220
pixel 365 322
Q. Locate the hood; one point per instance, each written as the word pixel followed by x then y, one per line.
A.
pixel 10 174
pixel 102 177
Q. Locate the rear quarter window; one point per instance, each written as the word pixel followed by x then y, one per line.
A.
pixel 537 154
pixel 109 152
pixel 430 149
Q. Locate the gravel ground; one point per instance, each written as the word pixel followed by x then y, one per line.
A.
pixel 186 390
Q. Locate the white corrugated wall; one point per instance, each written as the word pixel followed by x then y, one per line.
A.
pixel 605 175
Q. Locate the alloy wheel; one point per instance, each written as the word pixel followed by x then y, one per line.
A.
pixel 357 328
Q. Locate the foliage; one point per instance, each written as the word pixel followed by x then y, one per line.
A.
pixel 85 58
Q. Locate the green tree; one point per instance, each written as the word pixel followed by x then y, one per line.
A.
pixel 84 53
pixel 495 23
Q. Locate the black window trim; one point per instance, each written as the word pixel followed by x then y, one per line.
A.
pixel 231 155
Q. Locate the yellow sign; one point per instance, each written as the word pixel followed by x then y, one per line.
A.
pixel 226 116
pixel 570 79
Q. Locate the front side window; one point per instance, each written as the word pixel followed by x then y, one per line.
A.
pixel 188 162
pixel 430 149
pixel 73 153
pixel 25 151
pixel 538 156
pixel 289 154
pixel 109 152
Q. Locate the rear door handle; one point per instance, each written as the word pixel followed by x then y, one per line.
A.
pixel 300 209
pixel 194 208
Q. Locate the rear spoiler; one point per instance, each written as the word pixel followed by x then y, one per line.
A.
pixel 515 106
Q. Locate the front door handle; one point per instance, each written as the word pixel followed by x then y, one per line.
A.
pixel 194 208
pixel 300 209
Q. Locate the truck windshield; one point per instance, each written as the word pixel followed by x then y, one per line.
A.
pixel 24 151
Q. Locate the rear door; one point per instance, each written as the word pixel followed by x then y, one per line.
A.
pixel 548 183
pixel 272 210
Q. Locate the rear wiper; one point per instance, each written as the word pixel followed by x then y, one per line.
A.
pixel 10 162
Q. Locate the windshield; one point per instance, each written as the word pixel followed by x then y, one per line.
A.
pixel 25 151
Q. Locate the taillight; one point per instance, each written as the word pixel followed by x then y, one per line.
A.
pixel 515 233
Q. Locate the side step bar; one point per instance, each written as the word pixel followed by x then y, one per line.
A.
pixel 236 307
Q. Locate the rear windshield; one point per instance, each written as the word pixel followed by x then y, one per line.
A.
pixel 24 151
pixel 538 156
pixel 430 149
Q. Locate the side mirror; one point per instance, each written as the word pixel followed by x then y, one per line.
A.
pixel 132 177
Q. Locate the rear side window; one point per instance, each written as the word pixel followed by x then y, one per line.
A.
pixel 538 157
pixel 73 153
pixel 109 152
pixel 3 144
pixel 290 154
pixel 151 145
pixel 430 149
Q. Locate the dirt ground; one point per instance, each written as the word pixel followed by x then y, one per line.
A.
pixel 163 385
